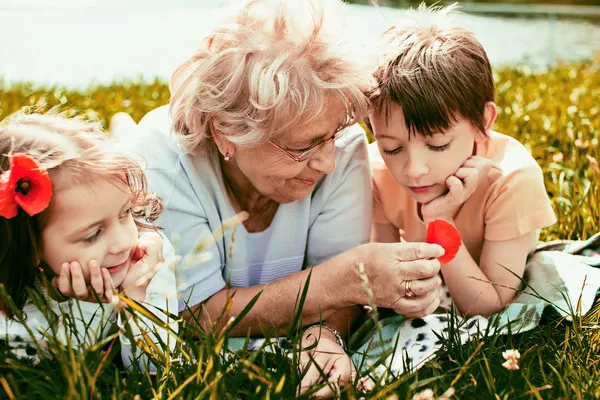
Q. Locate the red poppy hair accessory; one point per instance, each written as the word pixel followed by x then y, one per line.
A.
pixel 446 235
pixel 24 185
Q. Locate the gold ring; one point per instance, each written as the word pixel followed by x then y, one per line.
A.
pixel 407 292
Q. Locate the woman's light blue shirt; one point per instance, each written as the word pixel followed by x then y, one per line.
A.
pixel 334 218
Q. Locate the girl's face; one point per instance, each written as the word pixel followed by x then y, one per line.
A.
pixel 91 221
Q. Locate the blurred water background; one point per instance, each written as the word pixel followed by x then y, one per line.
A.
pixel 79 42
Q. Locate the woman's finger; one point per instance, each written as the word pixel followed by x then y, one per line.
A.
pixel 365 384
pixel 311 377
pixel 341 373
pixel 422 287
pixel 417 306
pixel 331 389
pixel 420 269
pixel 411 251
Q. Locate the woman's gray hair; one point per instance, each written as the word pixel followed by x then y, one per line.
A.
pixel 270 68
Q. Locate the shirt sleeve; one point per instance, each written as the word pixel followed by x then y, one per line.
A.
pixel 344 219
pixel 161 329
pixel 184 219
pixel 518 205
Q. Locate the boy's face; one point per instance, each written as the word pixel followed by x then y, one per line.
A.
pixel 423 163
pixel 91 221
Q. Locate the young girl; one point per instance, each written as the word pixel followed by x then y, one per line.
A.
pixel 71 211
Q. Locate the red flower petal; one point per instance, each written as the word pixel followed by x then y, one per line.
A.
pixel 37 199
pixel 8 206
pixel 446 235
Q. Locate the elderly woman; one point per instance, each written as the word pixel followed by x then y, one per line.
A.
pixel 263 119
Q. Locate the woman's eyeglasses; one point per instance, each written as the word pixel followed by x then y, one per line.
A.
pixel 312 150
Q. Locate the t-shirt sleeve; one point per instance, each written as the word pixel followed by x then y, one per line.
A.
pixel 185 223
pixel 518 205
pixel 344 221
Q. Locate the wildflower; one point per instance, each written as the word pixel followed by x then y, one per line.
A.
pixel 512 357
pixel 426 394
pixel 558 157
pixel 594 164
pixel 446 235
pixel 25 184
pixel 580 143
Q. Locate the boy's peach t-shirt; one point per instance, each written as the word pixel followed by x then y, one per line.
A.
pixel 510 203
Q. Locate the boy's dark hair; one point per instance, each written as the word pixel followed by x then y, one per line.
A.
pixel 434 73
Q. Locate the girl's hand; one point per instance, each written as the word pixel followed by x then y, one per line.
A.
pixel 331 359
pixel 72 283
pixel 461 186
pixel 146 260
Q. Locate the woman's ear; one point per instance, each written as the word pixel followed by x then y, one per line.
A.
pixel 226 148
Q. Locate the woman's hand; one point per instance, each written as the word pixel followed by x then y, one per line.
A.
pixel 146 260
pixel 333 363
pixel 71 282
pixel 404 276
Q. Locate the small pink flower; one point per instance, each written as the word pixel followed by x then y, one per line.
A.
pixel 511 365
pixel 593 164
pixel 426 394
pixel 512 357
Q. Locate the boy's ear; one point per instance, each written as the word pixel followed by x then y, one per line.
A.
pixel 490 113
pixel 489 116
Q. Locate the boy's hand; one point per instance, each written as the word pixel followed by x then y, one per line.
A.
pixel 146 260
pixel 71 282
pixel 461 186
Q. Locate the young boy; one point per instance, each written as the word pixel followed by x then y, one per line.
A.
pixel 437 157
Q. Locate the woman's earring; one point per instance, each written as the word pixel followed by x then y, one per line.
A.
pixel 227 157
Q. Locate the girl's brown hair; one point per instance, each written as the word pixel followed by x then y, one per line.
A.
pixel 73 151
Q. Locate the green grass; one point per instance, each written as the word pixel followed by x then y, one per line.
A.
pixel 556 114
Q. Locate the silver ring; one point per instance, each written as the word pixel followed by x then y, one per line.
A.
pixel 407 292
